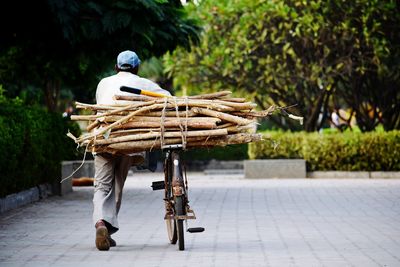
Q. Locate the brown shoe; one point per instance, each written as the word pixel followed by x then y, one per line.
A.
pixel 112 242
pixel 102 236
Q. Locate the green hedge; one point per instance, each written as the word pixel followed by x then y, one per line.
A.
pixel 33 144
pixel 375 151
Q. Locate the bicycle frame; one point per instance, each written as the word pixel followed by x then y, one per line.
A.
pixel 178 184
pixel 175 184
pixel 175 196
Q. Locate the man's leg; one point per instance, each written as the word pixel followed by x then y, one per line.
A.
pixel 104 212
pixel 122 167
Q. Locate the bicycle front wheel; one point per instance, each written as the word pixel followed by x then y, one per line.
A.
pixel 180 210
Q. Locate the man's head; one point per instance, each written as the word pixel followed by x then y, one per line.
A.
pixel 128 61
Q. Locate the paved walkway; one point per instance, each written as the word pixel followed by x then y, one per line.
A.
pixel 292 222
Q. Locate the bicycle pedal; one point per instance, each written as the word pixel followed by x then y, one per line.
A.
pixel 158 185
pixel 195 229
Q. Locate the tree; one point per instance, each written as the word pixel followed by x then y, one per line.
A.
pixel 297 52
pixel 71 43
pixel 371 83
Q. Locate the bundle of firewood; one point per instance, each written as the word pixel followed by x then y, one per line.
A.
pixel 145 123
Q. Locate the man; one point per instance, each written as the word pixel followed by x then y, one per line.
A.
pixel 111 171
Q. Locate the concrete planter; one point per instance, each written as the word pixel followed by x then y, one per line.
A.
pixel 68 167
pixel 275 168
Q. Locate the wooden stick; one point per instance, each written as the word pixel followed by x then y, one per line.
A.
pixel 137 137
pixel 123 108
pixel 222 116
pixel 144 130
pixel 232 128
pixel 192 142
pixel 93 125
pixel 234 99
pixel 256 114
pixel 240 138
pixel 134 97
pixel 190 113
pixel 121 121
pixel 211 95
pixel 93 106
pixel 237 106
pixel 191 119
pixel 144 118
pixel 168 124
pixel 226 125
pixel 209 104
pixel 168 113
pixel 137 146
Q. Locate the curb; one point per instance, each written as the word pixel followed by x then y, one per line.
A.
pixel 223 171
pixel 353 175
pixel 22 198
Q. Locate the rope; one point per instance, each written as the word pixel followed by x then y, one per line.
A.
pixel 183 135
pixel 162 126
pixel 187 117
pixel 80 166
pixel 154 143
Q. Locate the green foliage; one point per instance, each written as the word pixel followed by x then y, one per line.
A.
pixel 33 144
pixel 291 51
pixel 68 44
pixel 373 151
pixel 277 145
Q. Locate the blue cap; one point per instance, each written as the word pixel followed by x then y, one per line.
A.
pixel 127 58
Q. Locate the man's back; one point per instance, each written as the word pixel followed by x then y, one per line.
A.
pixel 109 86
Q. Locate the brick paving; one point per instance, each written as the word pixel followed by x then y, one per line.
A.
pixel 276 222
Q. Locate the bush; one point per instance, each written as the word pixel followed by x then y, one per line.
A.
pixel 277 145
pixel 33 143
pixel 375 151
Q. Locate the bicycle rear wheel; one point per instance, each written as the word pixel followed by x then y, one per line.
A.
pixel 170 222
pixel 171 229
pixel 180 210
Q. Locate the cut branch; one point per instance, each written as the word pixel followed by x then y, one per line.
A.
pixel 222 116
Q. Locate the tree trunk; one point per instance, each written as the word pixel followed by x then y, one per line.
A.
pixel 52 93
pixel 312 121
pixel 325 112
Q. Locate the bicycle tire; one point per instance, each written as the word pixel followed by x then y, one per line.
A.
pixel 172 232
pixel 170 222
pixel 180 210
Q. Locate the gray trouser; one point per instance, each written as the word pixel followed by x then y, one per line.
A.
pixel 109 179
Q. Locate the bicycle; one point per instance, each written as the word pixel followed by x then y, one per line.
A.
pixel 176 200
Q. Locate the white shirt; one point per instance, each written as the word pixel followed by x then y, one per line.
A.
pixel 109 86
